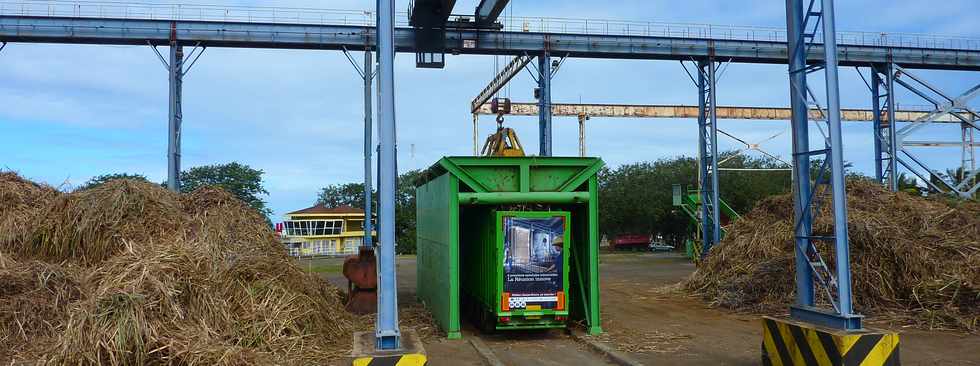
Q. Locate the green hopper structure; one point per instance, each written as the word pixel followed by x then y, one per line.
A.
pixel 509 242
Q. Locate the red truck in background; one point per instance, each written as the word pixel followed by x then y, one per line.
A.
pixel 632 242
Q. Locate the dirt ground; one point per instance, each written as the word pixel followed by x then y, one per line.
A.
pixel 645 319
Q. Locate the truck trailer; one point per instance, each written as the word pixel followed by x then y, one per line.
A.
pixel 515 268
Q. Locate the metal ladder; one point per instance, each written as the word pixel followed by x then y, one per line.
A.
pixel 821 272
pixel 823 275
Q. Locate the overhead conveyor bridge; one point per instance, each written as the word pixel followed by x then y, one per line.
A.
pixel 654 42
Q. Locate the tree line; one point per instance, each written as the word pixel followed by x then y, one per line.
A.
pixel 637 198
pixel 633 198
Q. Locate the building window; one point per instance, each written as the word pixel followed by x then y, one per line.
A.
pixel 293 249
pixel 335 227
pixel 324 247
pixel 355 225
pixel 351 244
pixel 314 227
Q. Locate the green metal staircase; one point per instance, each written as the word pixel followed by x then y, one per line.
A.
pixel 690 203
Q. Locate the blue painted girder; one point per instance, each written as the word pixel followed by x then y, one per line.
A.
pixel 335 37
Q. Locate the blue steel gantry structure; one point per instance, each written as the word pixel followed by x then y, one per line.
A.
pixel 810 264
pixel 801 46
pixel 890 141
pixel 708 152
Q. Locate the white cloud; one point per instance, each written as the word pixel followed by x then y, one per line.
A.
pixel 297 114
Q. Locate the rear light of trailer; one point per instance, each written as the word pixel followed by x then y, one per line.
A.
pixel 505 319
pixel 561 300
pixel 505 302
pixel 560 318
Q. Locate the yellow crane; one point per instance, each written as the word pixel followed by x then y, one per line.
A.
pixel 504 142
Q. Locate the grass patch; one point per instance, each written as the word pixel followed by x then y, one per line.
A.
pixel 329 265
pixel 324 268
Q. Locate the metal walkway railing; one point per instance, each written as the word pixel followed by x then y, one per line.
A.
pixel 279 15
pixel 146 11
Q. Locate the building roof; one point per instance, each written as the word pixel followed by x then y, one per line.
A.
pixel 321 209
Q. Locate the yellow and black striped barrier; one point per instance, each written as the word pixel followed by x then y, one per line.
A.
pixel 785 343
pixel 412 359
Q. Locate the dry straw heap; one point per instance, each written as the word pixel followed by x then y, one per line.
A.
pixel 914 260
pixel 129 273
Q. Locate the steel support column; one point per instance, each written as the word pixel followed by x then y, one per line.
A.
pixel 969 149
pixel 968 177
pixel 387 334
pixel 544 103
pixel 876 124
pixel 836 157
pixel 885 138
pixel 801 145
pixel 893 142
pixel 368 209
pixel 176 70
pixel 810 265
pixel 176 117
pixel 708 153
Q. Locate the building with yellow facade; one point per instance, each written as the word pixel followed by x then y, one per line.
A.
pixel 323 231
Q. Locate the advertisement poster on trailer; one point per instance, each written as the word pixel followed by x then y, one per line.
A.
pixel 533 260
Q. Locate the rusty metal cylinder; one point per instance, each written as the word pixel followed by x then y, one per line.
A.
pixel 362 279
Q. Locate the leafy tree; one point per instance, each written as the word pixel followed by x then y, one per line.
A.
pixel 348 194
pixel 742 189
pixel 352 194
pixel 405 212
pixel 637 198
pixel 909 184
pixel 817 164
pixel 238 179
pixel 102 179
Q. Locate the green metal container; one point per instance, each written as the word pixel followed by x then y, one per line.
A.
pixel 512 242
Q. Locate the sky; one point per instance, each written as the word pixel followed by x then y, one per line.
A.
pixel 71 112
